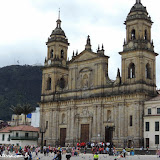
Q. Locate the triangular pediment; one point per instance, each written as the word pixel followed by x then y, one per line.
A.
pixel 85 55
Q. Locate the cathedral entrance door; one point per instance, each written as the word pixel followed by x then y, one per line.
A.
pixel 62 136
pixel 84 132
pixel 108 134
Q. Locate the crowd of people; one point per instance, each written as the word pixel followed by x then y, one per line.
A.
pixel 27 151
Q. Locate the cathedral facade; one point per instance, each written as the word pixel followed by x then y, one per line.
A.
pixel 80 103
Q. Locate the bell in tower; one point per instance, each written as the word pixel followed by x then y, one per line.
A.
pixel 138 56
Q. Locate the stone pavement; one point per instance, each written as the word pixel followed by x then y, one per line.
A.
pixel 89 157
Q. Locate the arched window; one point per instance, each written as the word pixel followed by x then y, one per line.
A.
pixel 131 71
pixel 133 34
pixel 49 83
pixel 51 53
pixel 62 53
pixel 145 34
pixel 148 71
pixel 62 83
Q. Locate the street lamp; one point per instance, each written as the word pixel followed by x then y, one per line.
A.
pixel 42 133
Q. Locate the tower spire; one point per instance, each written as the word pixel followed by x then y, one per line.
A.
pixel 59 14
pixel 138 1
pixel 58 21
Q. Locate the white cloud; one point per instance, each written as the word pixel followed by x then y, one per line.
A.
pixel 26 25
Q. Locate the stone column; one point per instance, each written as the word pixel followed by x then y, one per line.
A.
pixel 94 129
pixel 72 124
pixel 99 123
pixel 68 125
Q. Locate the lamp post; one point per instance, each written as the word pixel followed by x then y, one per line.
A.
pixel 42 133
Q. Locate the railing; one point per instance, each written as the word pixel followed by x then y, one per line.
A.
pixel 24 138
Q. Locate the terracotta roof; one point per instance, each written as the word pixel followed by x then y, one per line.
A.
pixel 5 130
pixel 20 128
pixel 25 128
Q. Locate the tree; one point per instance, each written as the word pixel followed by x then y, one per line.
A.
pixel 26 109
pixel 18 111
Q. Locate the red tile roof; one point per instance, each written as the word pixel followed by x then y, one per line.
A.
pixel 25 128
pixel 5 130
pixel 20 128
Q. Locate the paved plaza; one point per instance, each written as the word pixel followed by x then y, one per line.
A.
pixel 89 157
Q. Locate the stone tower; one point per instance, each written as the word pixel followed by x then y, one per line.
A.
pixel 55 71
pixel 138 56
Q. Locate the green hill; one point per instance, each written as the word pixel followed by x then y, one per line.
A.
pixel 19 84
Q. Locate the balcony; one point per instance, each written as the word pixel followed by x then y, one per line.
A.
pixel 33 138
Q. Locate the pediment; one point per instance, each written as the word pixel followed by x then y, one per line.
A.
pixel 85 55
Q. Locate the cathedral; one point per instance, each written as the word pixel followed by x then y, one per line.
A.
pixel 80 103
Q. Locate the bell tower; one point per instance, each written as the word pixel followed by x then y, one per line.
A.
pixel 55 70
pixel 138 56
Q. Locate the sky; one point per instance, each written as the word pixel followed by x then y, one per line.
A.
pixel 25 26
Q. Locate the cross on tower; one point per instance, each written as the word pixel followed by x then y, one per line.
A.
pixel 59 14
pixel 138 1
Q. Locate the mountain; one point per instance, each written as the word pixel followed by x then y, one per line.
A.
pixel 19 84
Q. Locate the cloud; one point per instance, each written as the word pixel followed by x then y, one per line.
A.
pixel 26 25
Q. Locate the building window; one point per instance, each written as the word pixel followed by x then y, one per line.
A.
pixel 9 137
pixel 62 83
pixel 46 124
pixel 49 83
pixel 130 122
pixel 147 126
pixel 148 71
pixel 3 137
pixel 62 53
pixel 51 53
pixel 108 115
pixel 26 134
pixel 149 111
pixel 145 34
pixel 63 118
pixel 156 126
pixel 16 134
pixel 131 71
pixel 156 139
pixel 158 110
pixel 133 34
pixel 147 142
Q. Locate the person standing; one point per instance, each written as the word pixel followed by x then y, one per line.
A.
pixel 96 156
pixel 26 156
pixel 124 152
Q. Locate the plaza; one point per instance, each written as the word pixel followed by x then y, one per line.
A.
pixel 89 157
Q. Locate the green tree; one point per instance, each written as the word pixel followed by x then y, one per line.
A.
pixel 26 109
pixel 17 110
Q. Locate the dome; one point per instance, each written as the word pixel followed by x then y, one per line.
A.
pixel 138 11
pixel 138 7
pixel 58 31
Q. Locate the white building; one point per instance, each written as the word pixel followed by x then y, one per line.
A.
pixel 32 119
pixel 22 135
pixel 35 118
pixel 151 123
